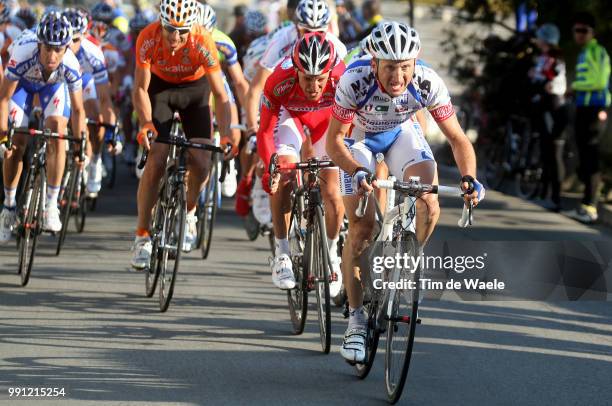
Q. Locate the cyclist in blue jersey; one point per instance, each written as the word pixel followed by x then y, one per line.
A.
pixel 96 93
pixel 44 66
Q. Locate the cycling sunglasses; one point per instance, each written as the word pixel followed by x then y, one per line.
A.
pixel 580 30
pixel 55 48
pixel 170 30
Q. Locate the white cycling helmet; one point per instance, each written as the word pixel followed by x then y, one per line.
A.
pixel 178 13
pixel 256 22
pixel 394 41
pixel 207 17
pixel 313 15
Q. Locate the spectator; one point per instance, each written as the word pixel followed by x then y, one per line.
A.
pixel 592 97
pixel 371 14
pixel 348 24
pixel 549 113
pixel 239 33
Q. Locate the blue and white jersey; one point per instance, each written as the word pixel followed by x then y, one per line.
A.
pixel 359 99
pixel 28 35
pixel 91 59
pixel 24 66
pixel 250 60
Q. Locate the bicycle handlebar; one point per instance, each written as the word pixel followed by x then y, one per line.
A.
pixel 415 188
pixel 108 126
pixel 188 144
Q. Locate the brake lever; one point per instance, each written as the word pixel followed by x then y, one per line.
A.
pixel 83 145
pixel 145 153
pixel 225 164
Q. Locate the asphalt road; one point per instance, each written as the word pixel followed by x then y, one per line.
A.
pixel 83 324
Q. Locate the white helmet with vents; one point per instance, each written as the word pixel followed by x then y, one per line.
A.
pixel 394 41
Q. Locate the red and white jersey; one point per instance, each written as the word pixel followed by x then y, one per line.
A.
pixel 282 90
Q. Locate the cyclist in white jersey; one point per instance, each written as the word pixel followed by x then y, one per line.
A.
pixel 43 66
pixel 310 15
pixel 96 93
pixel 378 96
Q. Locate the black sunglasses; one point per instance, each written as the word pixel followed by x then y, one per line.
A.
pixel 57 49
pixel 75 40
pixel 581 30
pixel 170 30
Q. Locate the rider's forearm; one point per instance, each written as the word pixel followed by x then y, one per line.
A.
pixel 460 144
pixel 339 154
pixel 254 94
pixel 464 156
pixel 252 105
pixel 78 120
pixel 142 104
pixel 242 89
pixel 223 113
pixel 106 106
pixel 240 83
pixel 336 149
pixel 4 114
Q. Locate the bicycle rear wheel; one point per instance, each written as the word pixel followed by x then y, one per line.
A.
pixel 111 171
pixel 80 214
pixel 30 225
pixel 529 177
pixel 172 240
pixel 67 197
pixel 401 325
pixel 152 272
pixel 320 270
pixel 208 209
pixel 297 297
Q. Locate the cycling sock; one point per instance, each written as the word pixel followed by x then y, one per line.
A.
pixel 282 246
pixel 191 212
pixel 142 232
pixel 357 318
pixel 95 158
pixel 52 195
pixel 333 248
pixel 10 197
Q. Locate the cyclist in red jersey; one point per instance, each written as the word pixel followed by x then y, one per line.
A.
pixel 295 113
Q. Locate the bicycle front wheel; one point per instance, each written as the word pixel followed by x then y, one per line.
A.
pixel 152 272
pixel 171 243
pixel 30 225
pixel 401 326
pixel 208 210
pixel 320 270
pixel 80 214
pixel 67 197
pixel 297 297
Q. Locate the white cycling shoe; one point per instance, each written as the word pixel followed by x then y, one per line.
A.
pixel 354 345
pixel 7 223
pixel 335 286
pixel 282 272
pixel 191 232
pixel 230 183
pixel 51 219
pixel 141 256
pixel 94 177
pixel 261 203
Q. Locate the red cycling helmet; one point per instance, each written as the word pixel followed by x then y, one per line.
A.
pixel 314 54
